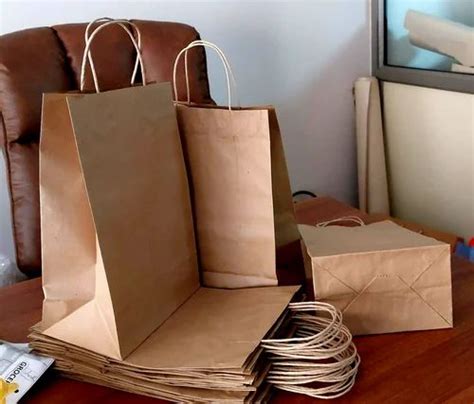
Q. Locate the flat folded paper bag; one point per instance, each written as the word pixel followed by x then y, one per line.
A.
pixel 213 329
pixel 215 333
pixel 384 278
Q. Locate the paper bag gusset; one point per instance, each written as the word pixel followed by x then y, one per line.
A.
pixel 383 277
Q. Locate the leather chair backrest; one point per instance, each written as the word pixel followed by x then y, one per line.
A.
pixel 48 59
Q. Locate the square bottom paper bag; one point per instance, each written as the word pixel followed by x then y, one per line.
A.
pixel 241 193
pixel 117 241
pixel 383 277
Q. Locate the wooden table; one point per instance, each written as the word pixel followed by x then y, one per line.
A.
pixel 416 367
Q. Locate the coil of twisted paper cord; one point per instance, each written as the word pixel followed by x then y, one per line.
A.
pixel 318 358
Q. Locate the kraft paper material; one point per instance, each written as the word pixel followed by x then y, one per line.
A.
pixel 240 190
pixel 233 329
pixel 124 306
pixel 117 230
pixel 208 350
pixel 383 277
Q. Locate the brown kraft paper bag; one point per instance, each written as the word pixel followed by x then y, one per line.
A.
pixel 123 304
pixel 240 189
pixel 383 277
pixel 116 217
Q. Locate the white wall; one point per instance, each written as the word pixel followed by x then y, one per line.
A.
pixel 301 56
pixel 430 139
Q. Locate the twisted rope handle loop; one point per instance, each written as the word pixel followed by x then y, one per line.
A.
pixel 226 64
pixel 320 350
pixel 227 69
pixel 87 56
pixel 351 218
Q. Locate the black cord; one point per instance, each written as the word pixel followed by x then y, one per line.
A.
pixel 303 192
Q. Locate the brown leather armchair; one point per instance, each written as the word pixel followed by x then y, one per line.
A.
pixel 43 60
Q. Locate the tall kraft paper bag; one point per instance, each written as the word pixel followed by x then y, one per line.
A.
pixel 115 228
pixel 240 188
pixel 383 277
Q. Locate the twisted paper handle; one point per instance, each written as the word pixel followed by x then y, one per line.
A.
pixel 230 80
pixel 101 20
pixel 88 57
pixel 351 218
pixel 319 350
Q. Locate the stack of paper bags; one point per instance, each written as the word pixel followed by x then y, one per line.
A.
pixel 207 351
pixel 124 306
